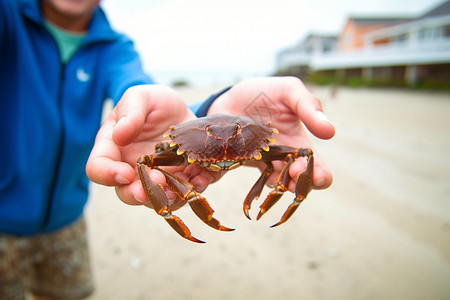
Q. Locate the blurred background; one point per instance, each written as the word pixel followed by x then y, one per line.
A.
pixel 381 231
pixel 211 42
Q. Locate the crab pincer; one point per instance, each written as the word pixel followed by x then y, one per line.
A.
pixel 221 143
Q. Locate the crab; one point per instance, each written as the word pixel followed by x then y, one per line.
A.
pixel 222 143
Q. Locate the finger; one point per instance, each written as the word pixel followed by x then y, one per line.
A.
pixel 131 194
pixel 130 112
pixel 150 109
pixel 104 165
pixel 134 194
pixel 105 171
pixel 203 180
pixel 309 109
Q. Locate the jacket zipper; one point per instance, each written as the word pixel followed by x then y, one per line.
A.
pixel 56 173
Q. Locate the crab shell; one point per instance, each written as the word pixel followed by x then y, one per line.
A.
pixel 222 138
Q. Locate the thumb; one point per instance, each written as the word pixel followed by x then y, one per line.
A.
pixel 131 112
pixel 309 109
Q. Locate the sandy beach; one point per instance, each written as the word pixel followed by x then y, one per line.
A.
pixel 381 231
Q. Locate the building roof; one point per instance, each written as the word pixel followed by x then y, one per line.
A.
pixel 442 9
pixel 377 20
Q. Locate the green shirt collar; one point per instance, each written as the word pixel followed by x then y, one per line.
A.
pixel 68 42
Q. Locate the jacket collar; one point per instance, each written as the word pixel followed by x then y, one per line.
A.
pixel 99 27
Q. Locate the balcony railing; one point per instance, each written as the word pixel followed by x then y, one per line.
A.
pixel 394 54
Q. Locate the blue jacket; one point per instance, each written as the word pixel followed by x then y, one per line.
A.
pixel 50 114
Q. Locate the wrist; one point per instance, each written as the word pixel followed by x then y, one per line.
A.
pixel 205 107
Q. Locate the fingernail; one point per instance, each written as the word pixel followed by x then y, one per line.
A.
pixel 320 183
pixel 120 179
pixel 322 116
pixel 140 200
pixel 121 121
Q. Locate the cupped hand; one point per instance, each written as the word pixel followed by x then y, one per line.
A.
pixel 133 128
pixel 288 105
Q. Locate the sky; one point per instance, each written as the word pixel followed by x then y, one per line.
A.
pixel 207 42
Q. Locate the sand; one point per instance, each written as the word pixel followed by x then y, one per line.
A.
pixel 381 231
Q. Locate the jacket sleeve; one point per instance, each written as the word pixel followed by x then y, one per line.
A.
pixel 124 69
pixel 200 109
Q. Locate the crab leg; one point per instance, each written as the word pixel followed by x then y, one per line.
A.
pixel 257 188
pixel 197 203
pixel 280 188
pixel 302 188
pixel 158 200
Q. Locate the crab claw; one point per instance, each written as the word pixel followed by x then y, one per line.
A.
pixel 290 211
pixel 180 228
pixel 280 188
pixel 202 209
pixel 197 203
pixel 302 189
pixel 158 201
pixel 257 188
pixel 246 212
pixel 271 199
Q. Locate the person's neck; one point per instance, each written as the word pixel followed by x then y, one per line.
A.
pixel 75 24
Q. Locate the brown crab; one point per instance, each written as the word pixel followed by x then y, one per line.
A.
pixel 222 143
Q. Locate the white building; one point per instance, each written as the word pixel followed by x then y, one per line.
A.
pixel 302 55
pixel 407 51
